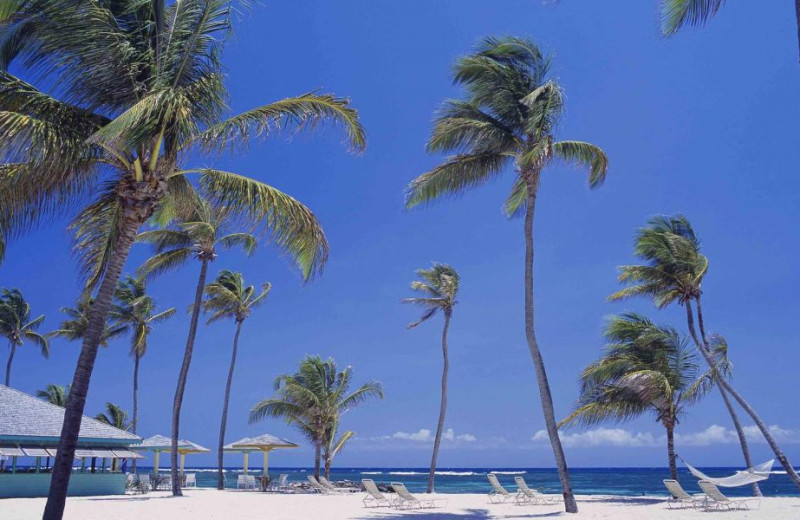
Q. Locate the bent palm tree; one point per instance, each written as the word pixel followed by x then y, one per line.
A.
pixel 229 297
pixel 676 14
pixel 439 285
pixel 54 394
pixel 334 444
pixel 75 327
pixel 508 119
pixel 145 89
pixel 17 326
pixel 645 368
pixel 135 312
pixel 673 271
pixel 313 399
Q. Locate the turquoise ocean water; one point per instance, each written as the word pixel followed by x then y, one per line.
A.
pixel 585 481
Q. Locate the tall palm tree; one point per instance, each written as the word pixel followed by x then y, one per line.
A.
pixel 676 14
pixel 118 418
pixel 314 399
pixel 673 271
pixel 645 368
pixel 135 312
pixel 54 394
pixel 507 120
pixel 135 88
pixel 229 297
pixel 439 287
pixel 17 326
pixel 199 236
pixel 77 323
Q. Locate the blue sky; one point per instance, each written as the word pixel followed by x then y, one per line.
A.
pixel 704 123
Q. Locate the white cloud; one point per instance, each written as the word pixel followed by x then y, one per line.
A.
pixel 425 435
pixel 421 436
pixel 618 437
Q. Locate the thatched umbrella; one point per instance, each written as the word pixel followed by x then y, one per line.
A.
pixel 264 443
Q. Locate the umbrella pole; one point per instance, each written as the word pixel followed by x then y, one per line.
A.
pixel 155 464
pixel 266 463
pixel 183 461
pixel 245 462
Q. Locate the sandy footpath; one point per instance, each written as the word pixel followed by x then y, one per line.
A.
pixel 204 504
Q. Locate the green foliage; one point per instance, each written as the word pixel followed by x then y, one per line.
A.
pixel 16 324
pixel 645 368
pixel 135 312
pixel 676 14
pixel 439 285
pixel 114 416
pixel 77 322
pixel 229 297
pixel 54 394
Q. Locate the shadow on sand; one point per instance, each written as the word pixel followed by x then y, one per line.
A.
pixel 468 514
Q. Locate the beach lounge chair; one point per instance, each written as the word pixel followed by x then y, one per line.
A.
pixel 716 500
pixel 190 481
pixel 406 500
pixel 319 488
pixel 246 482
pixel 526 495
pixel 333 489
pixel 144 483
pixel 251 482
pixel 498 494
pixel 280 484
pixel 680 498
pixel 374 496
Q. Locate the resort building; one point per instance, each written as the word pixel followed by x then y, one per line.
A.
pixel 29 433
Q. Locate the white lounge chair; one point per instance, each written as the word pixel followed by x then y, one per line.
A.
pixel 319 488
pixel 374 496
pixel 526 495
pixel 190 481
pixel 280 484
pixel 406 500
pixel 716 500
pixel 246 482
pixel 145 485
pixel 498 493
pixel 333 489
pixel 251 482
pixel 680 498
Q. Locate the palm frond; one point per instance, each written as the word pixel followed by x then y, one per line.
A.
pixel 676 14
pixel 584 154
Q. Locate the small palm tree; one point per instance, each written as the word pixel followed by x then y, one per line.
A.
pixel 118 418
pixel 334 444
pixel 135 312
pixel 17 326
pixel 75 326
pixel 439 287
pixel 135 89
pixel 314 399
pixel 645 368
pixel 54 394
pixel 229 297
pixel 508 121
pixel 198 237
pixel 673 272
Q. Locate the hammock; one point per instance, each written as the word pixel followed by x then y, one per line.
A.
pixel 740 478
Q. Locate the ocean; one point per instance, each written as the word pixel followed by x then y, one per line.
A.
pixel 585 481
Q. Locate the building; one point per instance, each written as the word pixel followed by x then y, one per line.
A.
pixel 29 433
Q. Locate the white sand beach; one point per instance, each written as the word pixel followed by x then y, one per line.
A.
pixel 222 505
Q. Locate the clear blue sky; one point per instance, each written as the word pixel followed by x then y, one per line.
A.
pixel 705 123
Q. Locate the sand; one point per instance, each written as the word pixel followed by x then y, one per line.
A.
pixel 202 504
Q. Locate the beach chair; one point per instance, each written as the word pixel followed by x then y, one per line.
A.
pixel 145 485
pixel 528 496
pixel 374 496
pixel 245 482
pixel 333 489
pixel 498 494
pixel 716 500
pixel 406 500
pixel 190 481
pixel 251 483
pixel 680 498
pixel 280 484
pixel 319 488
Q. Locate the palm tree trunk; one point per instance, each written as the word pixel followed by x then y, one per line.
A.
pixel 328 461
pixel 8 365
pixel 673 467
pixel 135 422
pixel 317 454
pixel 742 439
pixel 706 352
pixel 532 182
pixel 187 359
pixel 76 402
pixel 443 406
pixel 797 15
pixel 224 422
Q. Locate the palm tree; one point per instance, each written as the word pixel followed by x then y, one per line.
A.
pixel 673 271
pixel 334 443
pixel 313 399
pixel 118 418
pixel 229 297
pixel 17 326
pixel 439 286
pixel 508 119
pixel 75 327
pixel 136 89
pixel 54 394
pixel 645 368
pixel 207 230
pixel 676 14
pixel 135 312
